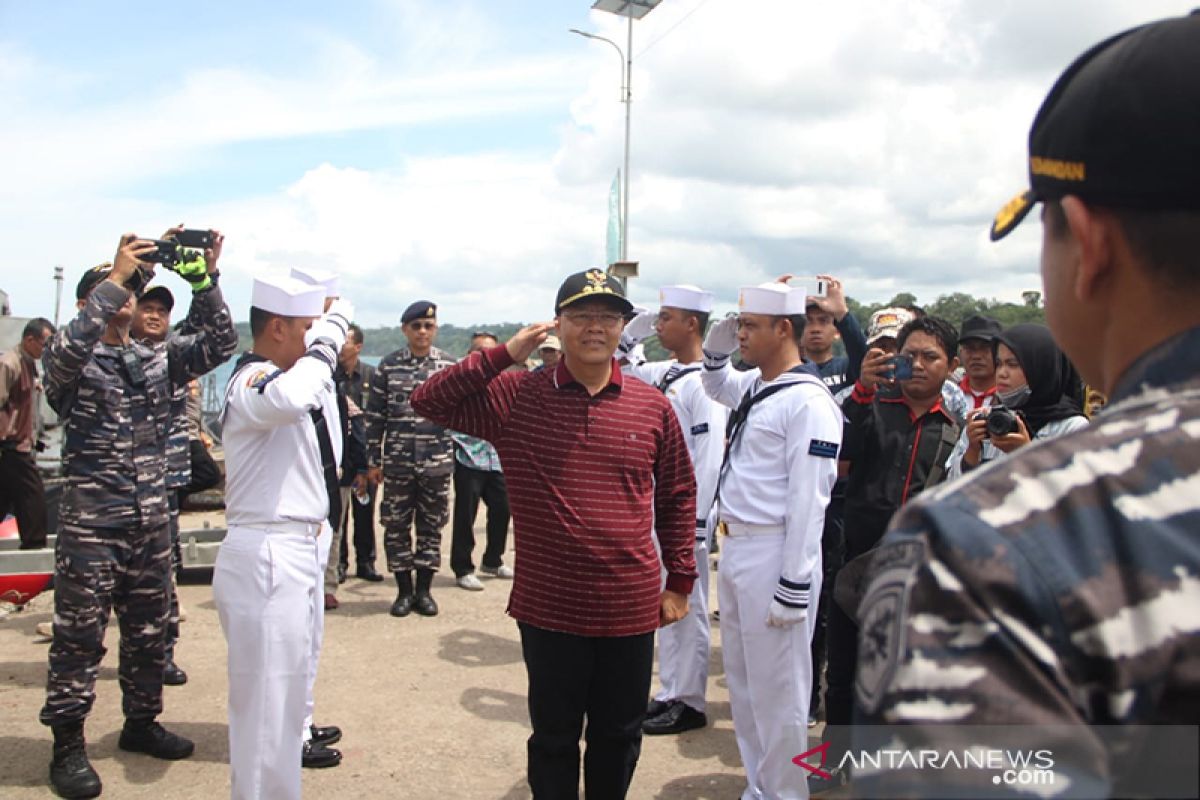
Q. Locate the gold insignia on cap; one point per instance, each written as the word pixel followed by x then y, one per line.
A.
pixel 429 311
pixel 1011 215
pixel 741 299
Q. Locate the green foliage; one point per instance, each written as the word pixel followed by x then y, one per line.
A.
pixel 956 307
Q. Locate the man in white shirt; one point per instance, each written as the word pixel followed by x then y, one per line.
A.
pixel 680 703
pixel 779 469
pixel 281 457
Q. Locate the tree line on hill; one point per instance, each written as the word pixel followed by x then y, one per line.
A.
pixel 955 307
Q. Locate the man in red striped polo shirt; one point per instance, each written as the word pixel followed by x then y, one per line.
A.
pixel 592 460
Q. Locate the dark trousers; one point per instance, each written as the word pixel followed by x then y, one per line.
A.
pixel 98 571
pixel 603 679
pixel 364 533
pixel 833 551
pixel 21 490
pixel 842 639
pixel 470 486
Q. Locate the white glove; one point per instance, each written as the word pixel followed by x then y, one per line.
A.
pixel 781 616
pixel 333 325
pixel 722 339
pixel 638 329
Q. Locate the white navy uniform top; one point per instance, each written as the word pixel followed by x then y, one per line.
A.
pixel 273 470
pixel 782 467
pixel 702 421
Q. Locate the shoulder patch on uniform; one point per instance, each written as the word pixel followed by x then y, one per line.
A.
pixel 261 378
pixel 699 429
pixel 882 619
pixel 821 449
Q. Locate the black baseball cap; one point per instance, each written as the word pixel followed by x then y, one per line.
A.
pixel 91 279
pixel 979 327
pixel 160 293
pixel 592 284
pixel 1121 127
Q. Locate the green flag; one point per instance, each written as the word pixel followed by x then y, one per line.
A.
pixel 613 239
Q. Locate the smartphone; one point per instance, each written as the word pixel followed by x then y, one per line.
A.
pixel 198 240
pixel 164 252
pixel 902 368
pixel 813 287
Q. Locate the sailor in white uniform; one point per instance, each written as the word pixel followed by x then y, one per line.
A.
pixel 316 751
pixel 680 703
pixel 775 482
pixel 281 460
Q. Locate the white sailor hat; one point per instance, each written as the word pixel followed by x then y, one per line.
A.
pixel 330 281
pixel 288 297
pixel 775 299
pixel 689 298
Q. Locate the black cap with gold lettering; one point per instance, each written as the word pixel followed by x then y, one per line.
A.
pixel 592 284
pixel 1121 127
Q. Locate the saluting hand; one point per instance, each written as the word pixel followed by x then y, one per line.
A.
pixel 722 338
pixel 526 340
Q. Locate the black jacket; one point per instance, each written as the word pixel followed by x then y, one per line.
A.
pixel 894 458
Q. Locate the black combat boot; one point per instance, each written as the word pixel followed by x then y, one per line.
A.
pixel 147 736
pixel 424 604
pixel 404 600
pixel 71 773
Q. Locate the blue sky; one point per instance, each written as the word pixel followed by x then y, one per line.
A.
pixel 462 151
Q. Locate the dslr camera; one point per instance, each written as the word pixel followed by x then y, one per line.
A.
pixel 1001 421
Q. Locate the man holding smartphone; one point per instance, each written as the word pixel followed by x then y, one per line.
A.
pixel 113 394
pixel 898 437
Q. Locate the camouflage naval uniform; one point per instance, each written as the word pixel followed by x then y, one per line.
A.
pixel 417 457
pixel 113 546
pixel 1059 587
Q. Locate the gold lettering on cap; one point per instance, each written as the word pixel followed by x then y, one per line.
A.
pixel 1012 208
pixel 1054 168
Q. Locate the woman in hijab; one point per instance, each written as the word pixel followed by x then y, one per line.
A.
pixel 1038 386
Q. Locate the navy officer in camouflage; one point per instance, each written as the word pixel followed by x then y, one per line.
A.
pixel 113 394
pixel 1061 586
pixel 413 458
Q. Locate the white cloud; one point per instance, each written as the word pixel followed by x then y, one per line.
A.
pixel 873 140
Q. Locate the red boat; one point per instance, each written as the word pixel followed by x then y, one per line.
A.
pixel 24 574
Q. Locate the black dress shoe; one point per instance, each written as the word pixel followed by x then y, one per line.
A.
pixel 326 735
pixel 318 756
pixel 368 573
pixel 656 707
pixel 173 675
pixel 678 718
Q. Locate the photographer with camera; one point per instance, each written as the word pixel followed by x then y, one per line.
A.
pixel 1036 391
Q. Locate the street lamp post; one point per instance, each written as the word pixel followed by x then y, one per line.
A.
pixel 631 10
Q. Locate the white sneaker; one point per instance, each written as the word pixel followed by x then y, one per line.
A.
pixel 45 630
pixel 470 583
pixel 498 572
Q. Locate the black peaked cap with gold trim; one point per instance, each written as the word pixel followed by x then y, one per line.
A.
pixel 592 284
pixel 1121 126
